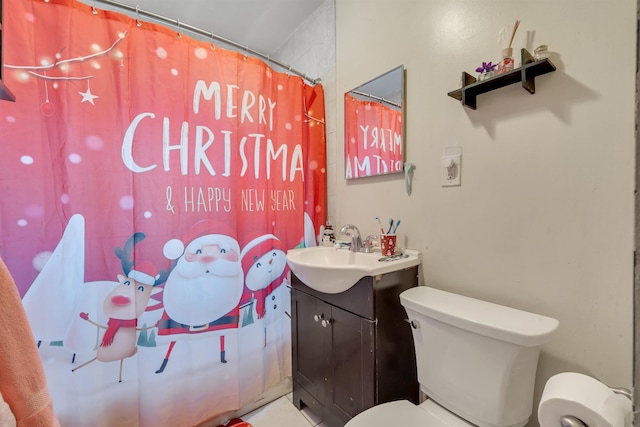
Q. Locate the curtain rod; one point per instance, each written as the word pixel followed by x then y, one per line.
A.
pixel 377 98
pixel 182 26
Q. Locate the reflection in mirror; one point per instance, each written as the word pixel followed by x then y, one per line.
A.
pixel 374 126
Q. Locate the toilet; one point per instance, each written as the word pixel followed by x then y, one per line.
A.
pixel 476 363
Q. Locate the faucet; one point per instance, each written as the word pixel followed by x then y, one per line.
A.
pixel 356 241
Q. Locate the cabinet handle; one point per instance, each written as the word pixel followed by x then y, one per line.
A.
pixel 318 317
pixel 326 322
pixel 414 323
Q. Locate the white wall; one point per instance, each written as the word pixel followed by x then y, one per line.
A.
pixel 544 219
pixel 312 50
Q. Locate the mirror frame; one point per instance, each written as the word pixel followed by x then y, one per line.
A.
pixel 383 96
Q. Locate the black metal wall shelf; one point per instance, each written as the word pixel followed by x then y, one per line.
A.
pixel 526 74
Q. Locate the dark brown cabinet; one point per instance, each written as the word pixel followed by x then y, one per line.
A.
pixel 352 350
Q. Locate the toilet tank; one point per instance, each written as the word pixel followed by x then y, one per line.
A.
pixel 476 358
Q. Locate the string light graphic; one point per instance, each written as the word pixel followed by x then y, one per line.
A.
pixel 42 72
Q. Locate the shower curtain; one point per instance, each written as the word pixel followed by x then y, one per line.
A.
pixel 151 185
pixel 373 136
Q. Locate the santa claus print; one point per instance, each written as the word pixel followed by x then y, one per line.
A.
pixel 203 290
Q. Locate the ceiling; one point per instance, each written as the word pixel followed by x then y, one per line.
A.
pixel 261 25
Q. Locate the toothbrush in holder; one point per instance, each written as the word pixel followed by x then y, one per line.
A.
pixel 396 227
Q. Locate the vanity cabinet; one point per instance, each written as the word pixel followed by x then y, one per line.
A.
pixel 352 350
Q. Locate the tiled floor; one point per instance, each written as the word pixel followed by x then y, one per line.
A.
pixel 282 413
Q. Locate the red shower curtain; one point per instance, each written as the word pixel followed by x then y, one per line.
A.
pixel 151 185
pixel 373 136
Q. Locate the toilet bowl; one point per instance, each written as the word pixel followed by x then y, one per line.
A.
pixel 476 361
pixel 403 413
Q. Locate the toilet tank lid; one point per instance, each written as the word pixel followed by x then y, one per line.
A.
pixel 481 317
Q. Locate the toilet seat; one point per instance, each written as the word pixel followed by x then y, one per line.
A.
pixel 403 413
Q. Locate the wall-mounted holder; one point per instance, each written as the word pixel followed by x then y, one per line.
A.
pixel 408 176
pixel 526 74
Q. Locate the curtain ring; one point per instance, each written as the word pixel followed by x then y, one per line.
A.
pixel 138 23
pixel 179 34
pixel 93 7
pixel 213 46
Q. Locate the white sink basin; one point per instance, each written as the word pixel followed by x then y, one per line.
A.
pixel 332 270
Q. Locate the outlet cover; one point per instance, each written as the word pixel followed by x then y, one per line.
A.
pixel 451 169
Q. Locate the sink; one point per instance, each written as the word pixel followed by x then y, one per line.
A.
pixel 331 270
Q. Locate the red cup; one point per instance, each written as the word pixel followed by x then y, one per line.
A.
pixel 388 244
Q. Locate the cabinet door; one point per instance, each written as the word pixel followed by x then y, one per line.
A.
pixel 352 379
pixel 311 341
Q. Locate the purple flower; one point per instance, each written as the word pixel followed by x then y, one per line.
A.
pixel 486 67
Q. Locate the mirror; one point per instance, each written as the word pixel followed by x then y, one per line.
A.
pixel 374 126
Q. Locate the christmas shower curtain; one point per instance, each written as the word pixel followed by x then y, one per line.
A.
pixel 151 185
pixel 373 135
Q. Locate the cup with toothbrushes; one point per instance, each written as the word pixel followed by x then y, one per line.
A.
pixel 388 240
pixel 388 244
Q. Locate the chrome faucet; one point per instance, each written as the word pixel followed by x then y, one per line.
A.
pixel 356 241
